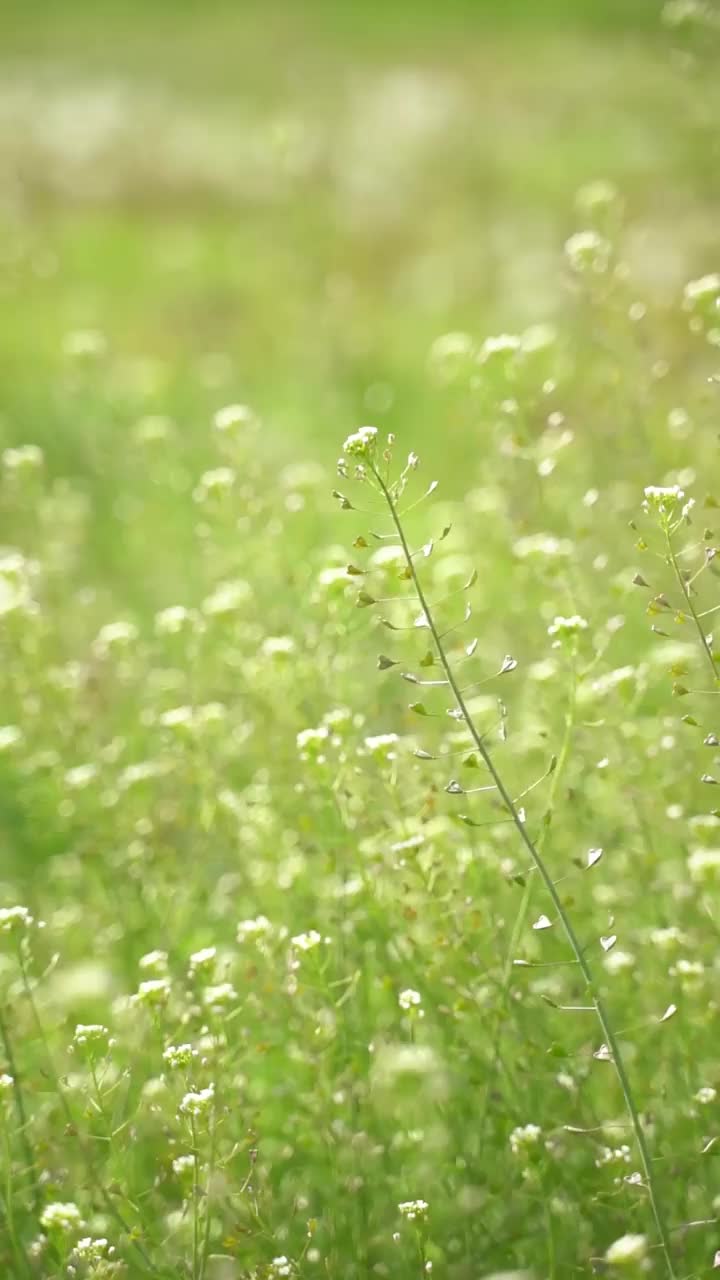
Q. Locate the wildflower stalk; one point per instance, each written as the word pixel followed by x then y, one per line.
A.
pixel 538 862
pixel 672 558
pixel 196 1203
pixel 522 913
pixel 94 1177
pixel 20 1109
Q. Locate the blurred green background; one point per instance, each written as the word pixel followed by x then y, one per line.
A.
pixel 285 203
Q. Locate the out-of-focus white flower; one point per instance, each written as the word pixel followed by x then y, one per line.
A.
pixel 588 251
pixel 197 1102
pixel 61 1216
pixel 627 1251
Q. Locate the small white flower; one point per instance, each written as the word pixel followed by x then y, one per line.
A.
pixel 524 1137
pixel 664 499
pixel 306 941
pixel 6 1082
pixel 501 345
pixel 704 866
pixel 93 1252
pixel 63 1217
pixel 183 1165
pixel 92 1033
pixel 10 735
pixel 626 1251
pixel 14 919
pixel 227 597
pixel 699 293
pixel 617 961
pixel 27 457
pixel 614 1155
pixel 279 1267
pixel 690 972
pixel 80 777
pixel 277 646
pixel 588 251
pixel 115 635
pixel 153 992
pixel 213 484
pixel 666 939
pixel 232 418
pixel 596 197
pixel 154 961
pixel 204 960
pixel 177 718
pixel 414 1210
pixel 542 544
pixel 260 927
pixel 571 626
pixel 382 746
pixel 362 443
pixel 450 355
pixel 198 1102
pixel 705 1095
pixel 179 1056
pixel 222 994
pixel 174 619
pixel 409 999
pixel 311 743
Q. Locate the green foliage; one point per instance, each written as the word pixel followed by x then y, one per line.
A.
pixel 358 849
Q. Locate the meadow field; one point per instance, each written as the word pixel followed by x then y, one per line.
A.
pixel 359 493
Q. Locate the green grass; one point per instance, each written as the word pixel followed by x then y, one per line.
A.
pixel 289 207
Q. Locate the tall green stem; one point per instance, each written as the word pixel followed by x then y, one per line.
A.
pixel 539 863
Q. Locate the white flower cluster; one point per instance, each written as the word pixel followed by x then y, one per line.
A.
pixel 62 1217
pixel 524 1137
pixel 571 626
pixel 179 1056
pixel 362 443
pixel 257 928
pixel 197 1102
pixel 153 992
pixel 203 961
pixel 13 919
pixel 414 1210
pixel 232 418
pixel 92 1252
pixel 410 1000
pixel 588 251
pixel 27 457
pixel 627 1251
pixel 382 746
pixel 614 1155
pixel 214 484
pixel 704 866
pixel 664 500
pixel 92 1034
pixel 701 292
pixel 279 1267
pixel 306 941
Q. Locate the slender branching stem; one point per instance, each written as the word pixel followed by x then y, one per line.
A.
pixel 20 1109
pixel 538 862
pixel 672 556
pixel 94 1176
